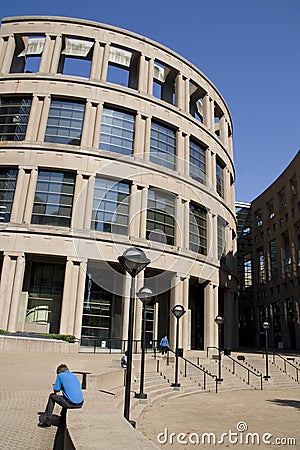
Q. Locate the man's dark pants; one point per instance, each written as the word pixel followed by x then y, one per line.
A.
pixel 63 402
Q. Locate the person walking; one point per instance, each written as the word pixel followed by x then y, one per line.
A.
pixel 164 344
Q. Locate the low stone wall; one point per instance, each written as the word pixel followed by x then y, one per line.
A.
pixel 25 344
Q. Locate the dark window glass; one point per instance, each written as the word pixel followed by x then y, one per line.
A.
pixel 220 179
pixel 8 180
pixel 162 146
pixel 197 162
pixel 198 231
pixel 53 198
pixel 110 206
pixel 65 121
pixel 160 216
pixel 117 131
pixel 14 114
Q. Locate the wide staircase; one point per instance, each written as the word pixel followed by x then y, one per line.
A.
pixel 199 373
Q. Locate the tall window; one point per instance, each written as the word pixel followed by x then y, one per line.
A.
pixel 65 121
pixel 110 206
pixel 220 179
pixel 197 162
pixel 123 67
pixel 262 269
pixel 53 198
pixel 160 216
pixel 248 270
pixel 162 145
pixel 117 131
pixel 221 238
pixel 14 115
pixel 76 57
pixel 273 258
pixel 198 229
pixel 8 180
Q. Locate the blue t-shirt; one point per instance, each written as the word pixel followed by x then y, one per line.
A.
pixel 69 384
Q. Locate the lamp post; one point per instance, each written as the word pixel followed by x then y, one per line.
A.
pixel 178 312
pixel 133 261
pixel 219 321
pixel 145 295
pixel 266 327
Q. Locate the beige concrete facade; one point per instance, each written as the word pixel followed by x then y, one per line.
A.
pixel 45 261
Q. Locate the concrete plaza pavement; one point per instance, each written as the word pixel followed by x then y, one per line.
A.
pixel 27 378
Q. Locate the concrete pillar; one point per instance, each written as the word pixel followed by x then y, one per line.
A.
pixel 186 104
pixel 34 119
pixel 43 119
pixel 176 298
pixel 210 313
pixel 80 299
pixel 179 222
pixel 87 216
pixel 96 64
pixel 10 289
pixel 186 338
pixel 29 195
pixel 150 76
pixel 134 211
pixel 143 213
pixel 98 121
pixel 79 201
pixel 179 92
pixel 19 198
pixel 73 296
pixel 56 54
pixel 86 136
pixel 147 138
pixel 208 118
pixel 8 54
pixel 224 131
pixel 180 149
pixel 139 136
pixel 47 54
pixel 105 60
pixel 213 169
pixel 142 79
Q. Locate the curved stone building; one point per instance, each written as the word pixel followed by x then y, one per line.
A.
pixel 110 140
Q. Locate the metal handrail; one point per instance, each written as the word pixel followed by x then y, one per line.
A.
pixel 204 371
pixel 240 364
pixel 289 362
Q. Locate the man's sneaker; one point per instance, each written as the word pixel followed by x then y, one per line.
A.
pixel 45 424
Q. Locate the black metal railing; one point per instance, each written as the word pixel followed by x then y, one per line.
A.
pixel 286 363
pixel 204 371
pixel 236 362
pixel 115 345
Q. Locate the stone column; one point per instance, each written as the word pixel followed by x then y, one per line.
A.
pixel 210 313
pixel 98 121
pixel 90 188
pixel 8 54
pixel 29 195
pixel 56 54
pixel 10 289
pixel 79 200
pixel 19 199
pixel 134 211
pixel 43 119
pixel 142 78
pixel 47 54
pixel 72 301
pixel 175 299
pixel 179 92
pixel 105 60
pixel 139 136
pixel 150 76
pixel 96 64
pixel 186 338
pixel 34 119
pixel 143 213
pixel 86 136
pixel 180 160
pixel 147 138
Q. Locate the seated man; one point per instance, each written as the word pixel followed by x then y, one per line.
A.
pixel 70 398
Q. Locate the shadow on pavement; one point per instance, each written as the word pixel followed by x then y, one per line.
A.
pixel 286 402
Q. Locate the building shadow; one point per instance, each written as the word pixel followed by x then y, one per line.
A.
pixel 285 402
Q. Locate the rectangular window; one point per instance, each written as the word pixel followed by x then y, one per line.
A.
pixel 8 180
pixel 160 216
pixel 282 199
pixel 27 55
pixel 53 198
pixel 14 115
pixel 220 178
pixel 65 121
pixel 123 67
pixel 270 207
pixel 262 269
pixel 164 82
pixel 258 218
pixel 247 271
pixel 117 131
pixel 162 146
pixel 76 57
pixel 110 206
pixel 198 229
pixel 221 238
pixel 197 162
pixel 273 258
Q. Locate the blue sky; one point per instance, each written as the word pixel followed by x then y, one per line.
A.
pixel 248 49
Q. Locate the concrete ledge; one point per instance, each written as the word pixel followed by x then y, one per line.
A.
pixel 100 425
pixel 25 344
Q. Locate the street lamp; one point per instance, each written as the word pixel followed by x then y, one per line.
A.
pixel 178 312
pixel 133 261
pixel 266 327
pixel 145 295
pixel 219 321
